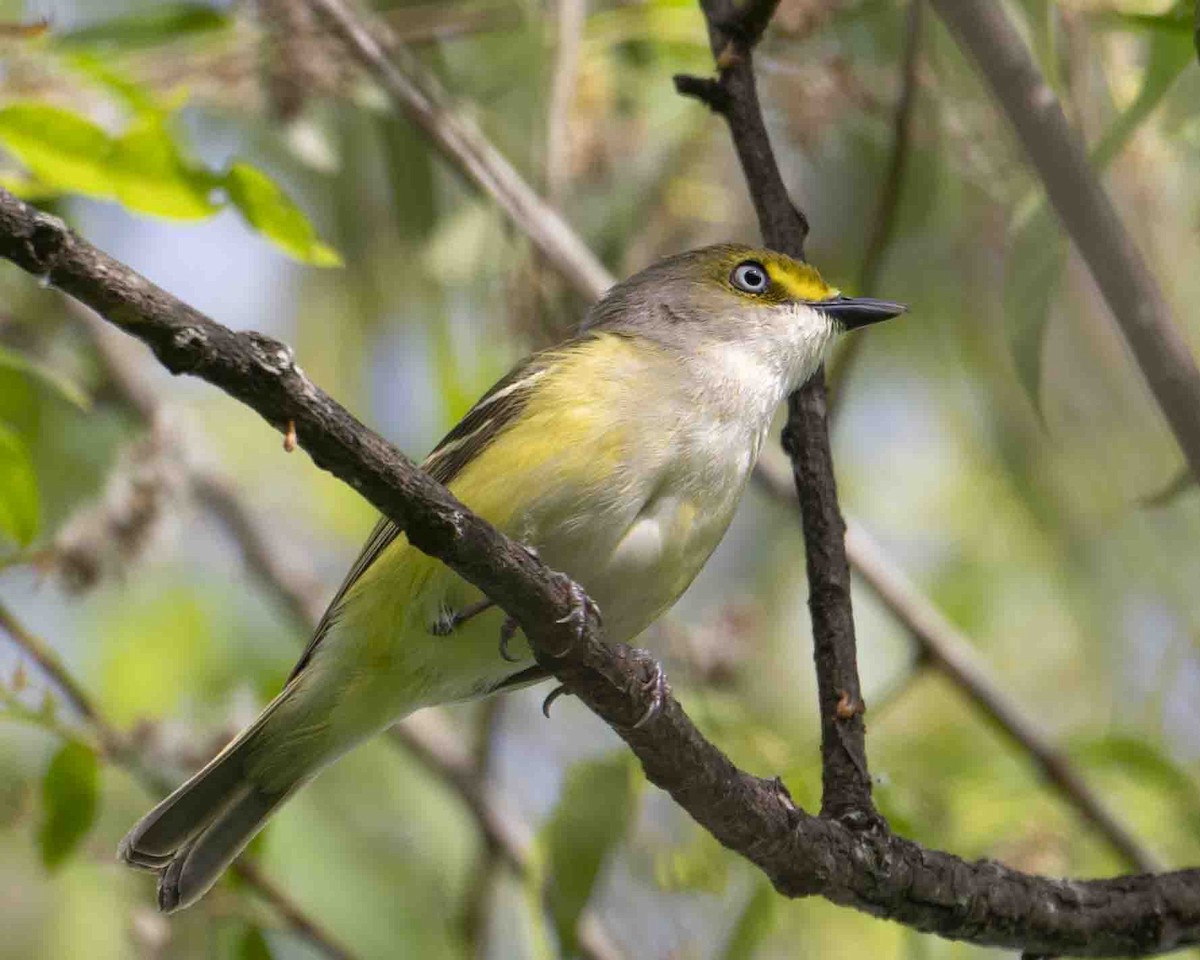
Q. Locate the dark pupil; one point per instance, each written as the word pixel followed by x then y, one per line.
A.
pixel 751 277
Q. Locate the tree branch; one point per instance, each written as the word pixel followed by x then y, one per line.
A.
pixel 871 870
pixel 845 780
pixel 945 648
pixel 983 28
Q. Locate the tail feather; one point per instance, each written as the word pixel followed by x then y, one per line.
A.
pixel 196 832
pixel 196 867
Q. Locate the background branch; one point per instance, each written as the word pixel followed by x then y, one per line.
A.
pixel 419 96
pixel 984 30
pixel 115 749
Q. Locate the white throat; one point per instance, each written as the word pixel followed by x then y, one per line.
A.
pixel 750 377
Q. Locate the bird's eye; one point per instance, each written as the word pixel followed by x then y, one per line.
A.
pixel 750 276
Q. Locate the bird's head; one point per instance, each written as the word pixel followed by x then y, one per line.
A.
pixel 737 296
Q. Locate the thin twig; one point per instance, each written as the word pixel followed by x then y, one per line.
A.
pixel 846 782
pixel 946 648
pixel 115 748
pixel 417 94
pixel 984 29
pixel 56 671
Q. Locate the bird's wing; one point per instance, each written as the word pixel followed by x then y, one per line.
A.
pixel 485 421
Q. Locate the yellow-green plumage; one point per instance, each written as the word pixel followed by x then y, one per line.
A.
pixel 620 456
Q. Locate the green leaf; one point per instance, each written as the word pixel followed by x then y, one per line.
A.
pixel 253 945
pixel 1037 255
pixel 1145 764
pixel 151 176
pixel 162 24
pixel 63 386
pixel 19 502
pixel 1167 56
pixel 272 213
pixel 100 70
pixel 60 148
pixel 754 924
pixel 591 818
pixel 69 795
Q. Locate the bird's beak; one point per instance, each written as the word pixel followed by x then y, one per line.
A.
pixel 852 312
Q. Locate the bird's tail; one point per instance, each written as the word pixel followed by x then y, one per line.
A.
pixel 196 833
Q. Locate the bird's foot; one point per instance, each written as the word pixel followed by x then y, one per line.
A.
pixel 581 606
pixel 656 684
pixel 450 620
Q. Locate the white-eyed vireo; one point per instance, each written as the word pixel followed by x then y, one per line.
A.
pixel 619 456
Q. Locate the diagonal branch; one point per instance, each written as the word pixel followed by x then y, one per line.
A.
pixel 845 780
pixel 423 736
pixel 983 28
pixel 419 96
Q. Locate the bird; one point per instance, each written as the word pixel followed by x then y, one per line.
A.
pixel 618 456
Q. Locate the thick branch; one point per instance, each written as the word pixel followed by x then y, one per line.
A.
pixel 846 782
pixel 984 29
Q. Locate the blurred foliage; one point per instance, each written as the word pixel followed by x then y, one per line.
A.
pixel 69 798
pixel 144 167
pixel 591 818
pixel 997 440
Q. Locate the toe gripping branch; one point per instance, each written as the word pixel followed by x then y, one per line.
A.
pixel 582 605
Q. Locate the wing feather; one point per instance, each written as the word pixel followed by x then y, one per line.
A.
pixel 484 422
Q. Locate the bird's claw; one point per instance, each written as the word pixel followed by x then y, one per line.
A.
pixel 508 630
pixel 581 605
pixel 551 697
pixel 656 684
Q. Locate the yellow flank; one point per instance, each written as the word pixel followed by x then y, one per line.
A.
pixel 799 280
pixel 571 409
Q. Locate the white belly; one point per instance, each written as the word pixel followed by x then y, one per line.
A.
pixel 636 559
